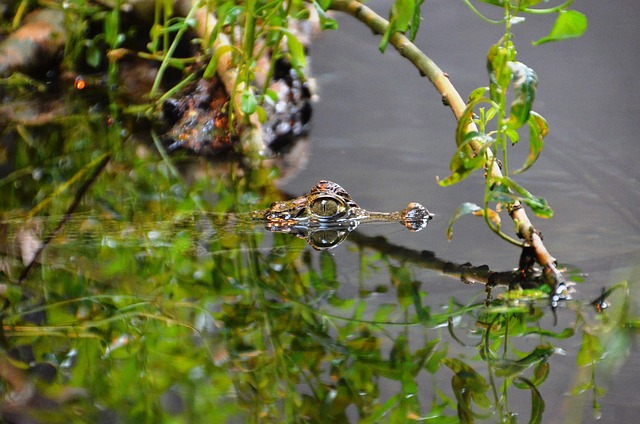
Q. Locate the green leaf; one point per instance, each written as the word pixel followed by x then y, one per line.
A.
pixel 505 190
pixel 464 209
pixel 468 382
pixel 464 161
pixel 325 21
pixel 538 129
pixel 591 351
pixel 262 114
pixel 380 411
pixel 509 368
pixel 93 54
pixel 296 52
pixel 525 82
pixel 416 20
pixel 384 311
pixel 494 2
pixel 569 24
pixel 477 94
pixel 212 66
pixel 498 59
pixel 537 403
pixel 248 102
pixel 400 17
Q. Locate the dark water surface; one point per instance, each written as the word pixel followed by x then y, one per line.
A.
pixel 147 311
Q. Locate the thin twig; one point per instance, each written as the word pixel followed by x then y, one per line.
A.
pixel 451 97
pixel 74 204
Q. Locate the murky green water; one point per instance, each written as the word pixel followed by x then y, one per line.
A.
pixel 153 304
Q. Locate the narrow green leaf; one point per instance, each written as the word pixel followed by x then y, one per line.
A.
pixel 212 66
pixel 400 17
pixel 381 410
pixel 296 52
pixel 525 82
pixel 464 209
pixel 325 21
pixel 569 24
pixel 415 20
pixel 508 191
pixel 494 2
pixel 538 129
pixel 510 368
pixel 262 114
pixel 537 403
pixel 468 381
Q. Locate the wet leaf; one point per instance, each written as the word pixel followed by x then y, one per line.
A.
pixel 569 24
pixel 525 83
pixel 538 129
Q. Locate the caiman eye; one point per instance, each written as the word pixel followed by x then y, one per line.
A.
pixel 327 207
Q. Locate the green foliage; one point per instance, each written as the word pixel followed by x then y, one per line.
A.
pixel 159 312
pixel 511 94
pixel 404 16
pixel 569 24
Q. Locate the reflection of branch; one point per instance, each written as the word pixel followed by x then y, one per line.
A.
pixel 74 204
pixel 426 259
pixel 451 97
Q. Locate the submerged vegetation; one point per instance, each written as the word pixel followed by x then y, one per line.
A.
pixel 133 293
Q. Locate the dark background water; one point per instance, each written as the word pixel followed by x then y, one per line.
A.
pixel 380 130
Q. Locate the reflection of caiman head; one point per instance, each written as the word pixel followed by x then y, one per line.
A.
pixel 327 214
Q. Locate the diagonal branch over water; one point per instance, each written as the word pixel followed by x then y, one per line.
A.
pixel 451 98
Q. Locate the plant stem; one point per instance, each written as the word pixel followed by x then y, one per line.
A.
pixel 451 97
pixel 251 138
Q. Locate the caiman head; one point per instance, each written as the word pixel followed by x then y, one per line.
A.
pixel 326 202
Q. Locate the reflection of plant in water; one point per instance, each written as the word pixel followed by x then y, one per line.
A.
pixel 206 321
